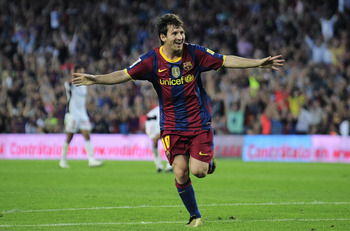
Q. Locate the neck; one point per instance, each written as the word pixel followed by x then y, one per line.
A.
pixel 171 54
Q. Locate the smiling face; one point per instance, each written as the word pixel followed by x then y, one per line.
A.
pixel 174 39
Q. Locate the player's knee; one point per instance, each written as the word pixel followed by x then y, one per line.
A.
pixel 200 173
pixel 181 174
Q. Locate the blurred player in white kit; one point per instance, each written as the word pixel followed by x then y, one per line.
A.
pixel 76 119
pixel 153 131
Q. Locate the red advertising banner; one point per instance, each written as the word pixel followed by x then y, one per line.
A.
pixel 228 145
pixel 297 148
pixel 330 148
pixel 49 146
pixel 315 148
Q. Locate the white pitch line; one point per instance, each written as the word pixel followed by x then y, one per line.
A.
pixel 174 222
pixel 176 206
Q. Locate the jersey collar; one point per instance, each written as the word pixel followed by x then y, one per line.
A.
pixel 167 59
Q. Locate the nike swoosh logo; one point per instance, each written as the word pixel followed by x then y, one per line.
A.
pixel 159 70
pixel 203 154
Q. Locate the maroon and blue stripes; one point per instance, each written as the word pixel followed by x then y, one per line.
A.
pixel 184 103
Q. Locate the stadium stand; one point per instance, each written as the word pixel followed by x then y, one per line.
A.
pixel 40 41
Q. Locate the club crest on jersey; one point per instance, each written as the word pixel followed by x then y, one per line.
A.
pixel 175 71
pixel 187 66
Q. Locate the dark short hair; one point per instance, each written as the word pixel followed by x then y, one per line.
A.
pixel 77 67
pixel 164 21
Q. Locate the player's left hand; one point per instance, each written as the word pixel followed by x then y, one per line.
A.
pixel 80 79
pixel 272 62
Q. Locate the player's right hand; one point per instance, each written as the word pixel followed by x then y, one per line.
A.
pixel 80 79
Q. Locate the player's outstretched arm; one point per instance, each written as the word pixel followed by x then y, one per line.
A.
pixel 269 62
pixel 116 77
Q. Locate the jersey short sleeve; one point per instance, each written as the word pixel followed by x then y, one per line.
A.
pixel 208 59
pixel 142 68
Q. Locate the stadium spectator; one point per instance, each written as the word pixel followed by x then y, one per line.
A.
pixel 235 114
pixel 296 100
pixel 100 124
pixel 320 52
pixel 304 121
pixel 317 114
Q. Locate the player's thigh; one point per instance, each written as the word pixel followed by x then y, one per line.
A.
pixel 155 140
pixel 86 134
pixel 69 137
pixel 84 123
pixel 152 129
pixel 198 168
pixel 71 123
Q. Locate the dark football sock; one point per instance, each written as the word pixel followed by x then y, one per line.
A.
pixel 188 198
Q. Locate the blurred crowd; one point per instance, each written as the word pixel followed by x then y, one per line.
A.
pixel 41 40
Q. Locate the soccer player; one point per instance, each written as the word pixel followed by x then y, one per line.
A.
pixel 153 131
pixel 75 119
pixel 175 70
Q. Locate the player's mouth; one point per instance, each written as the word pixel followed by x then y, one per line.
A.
pixel 178 44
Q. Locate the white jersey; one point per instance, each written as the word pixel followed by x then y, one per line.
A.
pixel 76 98
pixel 152 124
pixel 76 118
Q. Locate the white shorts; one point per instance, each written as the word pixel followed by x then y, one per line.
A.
pixel 152 128
pixel 73 123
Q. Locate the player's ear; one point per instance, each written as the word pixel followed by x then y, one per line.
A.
pixel 162 37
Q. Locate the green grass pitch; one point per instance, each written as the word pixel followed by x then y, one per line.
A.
pixel 130 195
